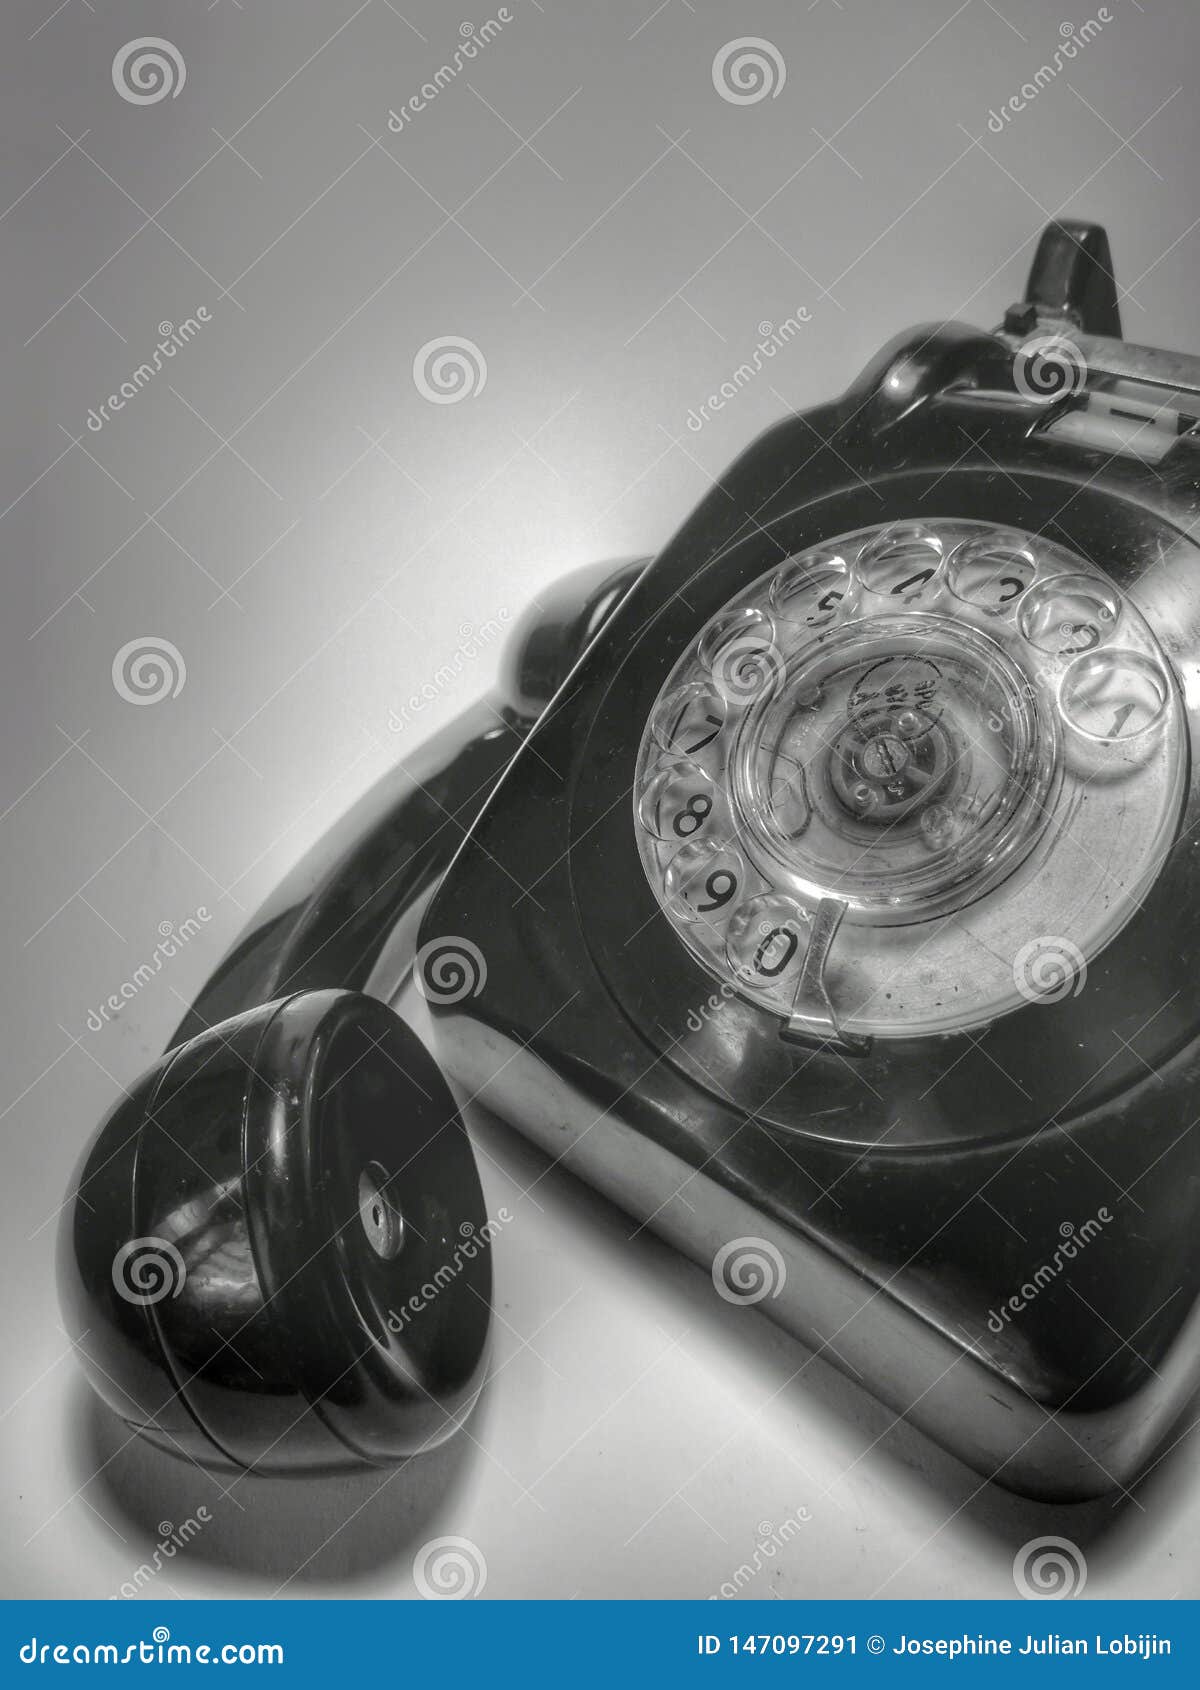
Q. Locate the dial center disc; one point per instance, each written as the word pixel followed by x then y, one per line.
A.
pixel 882 758
pixel 900 764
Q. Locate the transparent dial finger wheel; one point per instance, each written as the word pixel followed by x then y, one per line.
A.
pixel 893 765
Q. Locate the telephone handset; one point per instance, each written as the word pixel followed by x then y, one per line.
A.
pixel 821 891
pixel 250 1226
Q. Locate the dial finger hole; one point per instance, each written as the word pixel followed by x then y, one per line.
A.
pixel 688 721
pixel 767 940
pixel 679 804
pixel 1113 695
pixel 742 656
pixel 747 622
pixel 810 594
pixel 902 563
pixel 991 573
pixel 1069 614
pixel 703 882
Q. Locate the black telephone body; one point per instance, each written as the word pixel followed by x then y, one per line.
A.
pixel 823 892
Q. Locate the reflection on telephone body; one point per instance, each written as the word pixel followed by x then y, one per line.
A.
pixel 821 891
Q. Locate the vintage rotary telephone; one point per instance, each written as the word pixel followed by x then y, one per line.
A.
pixel 822 891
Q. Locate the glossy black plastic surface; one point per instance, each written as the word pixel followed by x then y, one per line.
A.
pixel 275 1254
pixel 1072 277
pixel 914 1190
pixel 331 918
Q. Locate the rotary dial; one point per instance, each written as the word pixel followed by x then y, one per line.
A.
pixel 896 762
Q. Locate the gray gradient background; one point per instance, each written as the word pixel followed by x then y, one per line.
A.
pixel 313 535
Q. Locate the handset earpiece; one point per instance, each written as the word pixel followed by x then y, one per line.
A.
pixel 275 1254
pixel 256 1229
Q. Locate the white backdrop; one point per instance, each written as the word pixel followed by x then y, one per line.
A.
pixel 282 506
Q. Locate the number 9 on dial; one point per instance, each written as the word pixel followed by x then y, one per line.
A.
pixel 703 882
